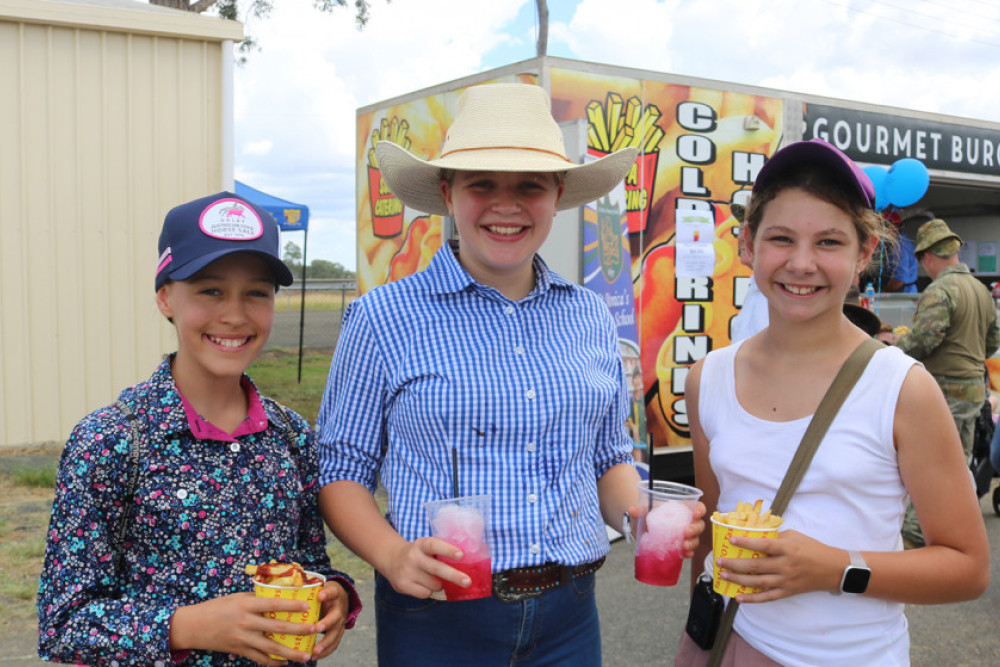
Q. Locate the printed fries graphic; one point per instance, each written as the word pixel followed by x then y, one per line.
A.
pixel 618 124
pixel 749 516
pixel 281 574
pixel 389 130
pixel 387 210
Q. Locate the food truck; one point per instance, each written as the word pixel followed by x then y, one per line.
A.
pixel 662 249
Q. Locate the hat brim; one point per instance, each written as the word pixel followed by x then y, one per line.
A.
pixel 927 244
pixel 282 274
pixel 416 182
pixel 863 318
pixel 819 152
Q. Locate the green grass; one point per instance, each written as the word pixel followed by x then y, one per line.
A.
pixel 276 374
pixel 291 300
pixel 44 478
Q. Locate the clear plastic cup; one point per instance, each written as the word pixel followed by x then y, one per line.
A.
pixel 666 509
pixel 463 522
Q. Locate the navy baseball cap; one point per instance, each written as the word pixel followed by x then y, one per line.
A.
pixel 816 151
pixel 199 232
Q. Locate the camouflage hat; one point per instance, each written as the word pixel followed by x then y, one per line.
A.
pixel 931 235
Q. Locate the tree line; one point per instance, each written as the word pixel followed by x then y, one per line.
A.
pixel 318 268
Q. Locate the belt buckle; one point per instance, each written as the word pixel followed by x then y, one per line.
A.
pixel 502 592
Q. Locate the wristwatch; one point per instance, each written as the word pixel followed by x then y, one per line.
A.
pixel 856 575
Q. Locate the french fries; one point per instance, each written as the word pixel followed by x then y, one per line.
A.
pixel 618 124
pixel 389 130
pixel 280 574
pixel 749 516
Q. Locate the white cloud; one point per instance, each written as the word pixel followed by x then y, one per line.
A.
pixel 262 147
pixel 299 95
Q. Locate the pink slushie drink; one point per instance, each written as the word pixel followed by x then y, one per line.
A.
pixel 462 523
pixel 659 551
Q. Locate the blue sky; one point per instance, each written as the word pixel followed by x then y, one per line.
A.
pixel 296 99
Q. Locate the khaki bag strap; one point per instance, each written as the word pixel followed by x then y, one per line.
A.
pixel 835 396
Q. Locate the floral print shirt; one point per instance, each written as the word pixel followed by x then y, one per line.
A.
pixel 202 510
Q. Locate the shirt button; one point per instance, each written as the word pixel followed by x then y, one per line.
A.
pixel 509 310
pixel 234 447
pixel 182 493
pixel 530 447
pixel 532 498
pixel 535 549
pixel 530 394
pixel 519 351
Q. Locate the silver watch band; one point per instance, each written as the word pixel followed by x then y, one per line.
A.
pixel 857 560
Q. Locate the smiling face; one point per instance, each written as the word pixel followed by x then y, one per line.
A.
pixel 223 316
pixel 502 220
pixel 806 254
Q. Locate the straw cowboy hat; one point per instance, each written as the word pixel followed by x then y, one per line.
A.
pixel 500 127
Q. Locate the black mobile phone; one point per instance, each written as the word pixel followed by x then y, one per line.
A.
pixel 704 614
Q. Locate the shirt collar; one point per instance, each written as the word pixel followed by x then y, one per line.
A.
pixel 955 268
pixel 450 276
pixel 177 415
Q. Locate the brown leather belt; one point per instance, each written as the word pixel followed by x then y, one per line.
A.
pixel 522 583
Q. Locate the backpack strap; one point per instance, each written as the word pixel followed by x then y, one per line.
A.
pixel 137 447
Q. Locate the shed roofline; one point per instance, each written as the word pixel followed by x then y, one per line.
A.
pixel 121 17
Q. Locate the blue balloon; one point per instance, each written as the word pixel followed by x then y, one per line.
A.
pixel 906 182
pixel 876 174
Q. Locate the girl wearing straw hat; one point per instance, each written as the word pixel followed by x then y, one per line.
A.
pixel 492 357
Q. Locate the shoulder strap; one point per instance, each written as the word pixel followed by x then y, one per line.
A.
pixel 843 383
pixel 291 435
pixel 136 449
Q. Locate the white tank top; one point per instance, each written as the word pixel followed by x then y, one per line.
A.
pixel 851 497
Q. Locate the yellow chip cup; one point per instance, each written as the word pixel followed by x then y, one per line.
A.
pixel 721 548
pixel 308 593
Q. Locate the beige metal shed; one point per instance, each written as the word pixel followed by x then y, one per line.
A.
pixel 111 112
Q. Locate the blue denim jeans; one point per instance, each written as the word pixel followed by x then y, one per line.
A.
pixel 559 627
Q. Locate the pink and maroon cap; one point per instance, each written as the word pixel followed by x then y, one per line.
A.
pixel 816 151
pixel 199 232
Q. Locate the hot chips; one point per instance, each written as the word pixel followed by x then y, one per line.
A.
pixel 280 574
pixel 618 124
pixel 389 130
pixel 749 516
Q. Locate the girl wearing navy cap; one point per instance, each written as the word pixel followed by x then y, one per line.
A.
pixel 836 578
pixel 145 557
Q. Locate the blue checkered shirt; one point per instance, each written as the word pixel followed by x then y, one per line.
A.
pixel 530 394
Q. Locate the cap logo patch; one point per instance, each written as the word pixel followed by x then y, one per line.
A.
pixel 231 220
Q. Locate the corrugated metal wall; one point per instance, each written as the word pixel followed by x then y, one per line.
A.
pixel 101 131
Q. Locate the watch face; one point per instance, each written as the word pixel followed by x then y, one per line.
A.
pixel 856 580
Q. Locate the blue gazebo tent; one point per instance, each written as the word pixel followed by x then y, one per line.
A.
pixel 290 217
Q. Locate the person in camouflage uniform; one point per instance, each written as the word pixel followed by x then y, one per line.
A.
pixel 954 330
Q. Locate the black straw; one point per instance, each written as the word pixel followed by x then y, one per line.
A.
pixel 649 469
pixel 454 471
